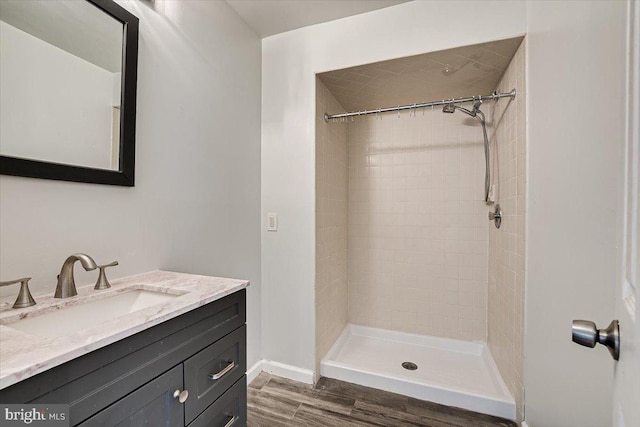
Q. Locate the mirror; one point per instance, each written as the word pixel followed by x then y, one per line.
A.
pixel 68 84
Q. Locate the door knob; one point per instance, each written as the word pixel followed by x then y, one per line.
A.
pixel 584 332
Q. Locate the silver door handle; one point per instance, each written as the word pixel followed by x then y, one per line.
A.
pixel 584 332
pixel 223 372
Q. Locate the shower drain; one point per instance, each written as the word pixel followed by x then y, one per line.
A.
pixel 410 366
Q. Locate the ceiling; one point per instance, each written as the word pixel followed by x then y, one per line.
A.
pixel 453 73
pixel 269 17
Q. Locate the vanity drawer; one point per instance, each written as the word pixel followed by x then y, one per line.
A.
pixel 209 373
pixel 230 410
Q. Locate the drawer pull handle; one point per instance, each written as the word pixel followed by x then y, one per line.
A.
pixel 231 422
pixel 223 372
pixel 182 396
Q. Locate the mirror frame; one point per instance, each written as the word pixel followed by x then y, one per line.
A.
pixel 125 175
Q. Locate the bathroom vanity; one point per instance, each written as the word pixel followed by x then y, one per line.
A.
pixel 180 360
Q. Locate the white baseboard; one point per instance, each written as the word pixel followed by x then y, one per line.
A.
pixel 524 424
pixel 254 371
pixel 288 371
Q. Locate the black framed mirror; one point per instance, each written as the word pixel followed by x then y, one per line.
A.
pixel 68 81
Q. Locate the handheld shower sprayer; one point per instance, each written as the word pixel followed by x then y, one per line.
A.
pixel 475 112
pixel 451 108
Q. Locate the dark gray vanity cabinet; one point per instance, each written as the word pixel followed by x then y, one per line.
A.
pixel 141 380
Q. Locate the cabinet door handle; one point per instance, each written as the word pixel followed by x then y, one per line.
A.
pixel 223 372
pixel 182 396
pixel 231 422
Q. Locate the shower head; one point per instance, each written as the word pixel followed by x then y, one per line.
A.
pixel 449 108
pixel 473 112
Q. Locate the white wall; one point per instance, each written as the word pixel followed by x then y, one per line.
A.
pixel 575 77
pixel 576 98
pixel 60 109
pixel 195 206
pixel 289 62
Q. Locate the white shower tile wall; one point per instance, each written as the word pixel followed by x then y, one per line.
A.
pixel 418 229
pixel 507 245
pixel 331 224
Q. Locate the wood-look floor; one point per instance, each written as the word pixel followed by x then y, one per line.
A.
pixel 279 402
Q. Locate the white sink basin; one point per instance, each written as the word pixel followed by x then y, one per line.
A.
pixel 85 315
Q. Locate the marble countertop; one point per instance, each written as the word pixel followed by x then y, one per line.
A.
pixel 23 355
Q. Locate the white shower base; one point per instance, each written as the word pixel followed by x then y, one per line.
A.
pixel 450 372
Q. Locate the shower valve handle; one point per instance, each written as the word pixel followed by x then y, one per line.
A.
pixel 496 216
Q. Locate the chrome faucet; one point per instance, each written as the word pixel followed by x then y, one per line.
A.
pixel 66 285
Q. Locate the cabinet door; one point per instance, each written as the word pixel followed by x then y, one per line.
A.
pixel 151 405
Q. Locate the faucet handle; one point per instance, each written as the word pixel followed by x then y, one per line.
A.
pixel 24 296
pixel 102 282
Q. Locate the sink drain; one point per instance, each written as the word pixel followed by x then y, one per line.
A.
pixel 410 366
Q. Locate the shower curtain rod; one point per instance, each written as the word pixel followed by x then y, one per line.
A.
pixel 495 95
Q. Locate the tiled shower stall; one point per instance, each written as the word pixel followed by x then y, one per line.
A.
pixel 403 242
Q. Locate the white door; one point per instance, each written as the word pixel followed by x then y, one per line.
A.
pixel 624 342
pixel 626 398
